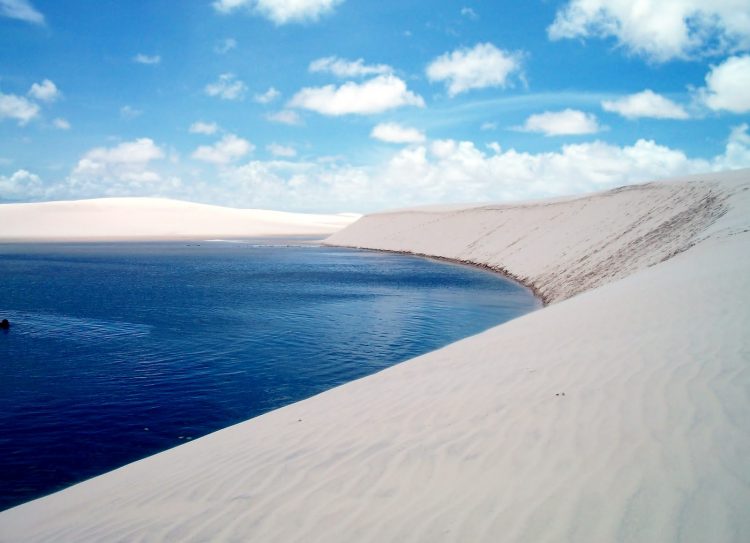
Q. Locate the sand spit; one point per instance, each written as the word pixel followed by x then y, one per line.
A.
pixel 132 219
pixel 617 414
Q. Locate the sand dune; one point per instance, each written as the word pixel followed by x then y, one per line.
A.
pixel 618 413
pixel 560 247
pixel 155 219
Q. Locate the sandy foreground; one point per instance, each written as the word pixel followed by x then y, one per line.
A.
pixel 619 412
pixel 106 219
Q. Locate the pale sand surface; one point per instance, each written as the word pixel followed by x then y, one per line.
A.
pixel 135 219
pixel 476 441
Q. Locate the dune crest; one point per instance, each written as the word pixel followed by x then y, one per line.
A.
pixel 617 413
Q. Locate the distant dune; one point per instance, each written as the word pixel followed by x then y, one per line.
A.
pixel 153 219
pixel 619 412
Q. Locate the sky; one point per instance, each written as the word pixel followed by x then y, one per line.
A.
pixel 357 106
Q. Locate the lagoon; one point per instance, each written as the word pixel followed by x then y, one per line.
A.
pixel 120 350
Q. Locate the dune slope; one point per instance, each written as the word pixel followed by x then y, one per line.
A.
pixel 618 414
pixel 153 219
pixel 560 247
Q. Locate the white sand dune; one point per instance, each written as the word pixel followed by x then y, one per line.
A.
pixel 153 219
pixel 618 413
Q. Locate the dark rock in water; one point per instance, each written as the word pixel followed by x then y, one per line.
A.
pixel 4 324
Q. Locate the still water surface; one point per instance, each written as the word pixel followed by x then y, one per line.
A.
pixel 119 351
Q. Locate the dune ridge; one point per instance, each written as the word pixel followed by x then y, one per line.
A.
pixel 617 413
pixel 559 247
pixel 132 219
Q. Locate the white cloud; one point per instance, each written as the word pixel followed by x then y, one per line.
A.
pixel 373 96
pixel 449 170
pixel 46 91
pixel 311 186
pixel 125 163
pixel 495 146
pixel 439 171
pixel 61 124
pixel 281 11
pixel 23 10
pixel 227 87
pixel 396 133
pixel 226 150
pixel 645 104
pixel 225 45
pixel 21 184
pixel 140 58
pixel 488 126
pixel 285 116
pixel 200 127
pixel 129 112
pixel 267 97
pixel 281 150
pixel 18 108
pixel 562 123
pixel 348 68
pixel 728 86
pixel 469 13
pixel 737 154
pixel 482 66
pixel 660 30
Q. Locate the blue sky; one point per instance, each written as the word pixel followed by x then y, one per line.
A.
pixel 347 105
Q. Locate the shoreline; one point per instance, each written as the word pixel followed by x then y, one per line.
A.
pixel 499 270
pixel 312 238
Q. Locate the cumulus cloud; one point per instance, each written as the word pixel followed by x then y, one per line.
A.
pixel 285 116
pixel 300 185
pixel 227 87
pixel 46 91
pixel 18 108
pixel 450 170
pixel 657 29
pixel 348 68
pixel 200 127
pixel 645 104
pixel 61 124
pixel 125 163
pixel 140 58
pixel 457 170
pixel 737 154
pixel 228 149
pixel 22 184
pixel 23 10
pixel 433 172
pixel 280 11
pixel 568 122
pixel 267 97
pixel 482 66
pixel 285 151
pixel 396 133
pixel 376 95
pixel 728 86
pixel 224 46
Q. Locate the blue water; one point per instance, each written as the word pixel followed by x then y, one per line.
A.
pixel 119 351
